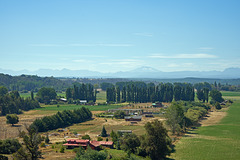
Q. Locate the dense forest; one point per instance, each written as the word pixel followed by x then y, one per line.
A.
pixel 29 83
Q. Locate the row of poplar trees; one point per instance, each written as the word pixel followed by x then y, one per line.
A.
pixel 62 119
pixel 140 92
pixel 81 92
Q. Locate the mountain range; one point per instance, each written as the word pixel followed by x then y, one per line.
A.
pixel 142 72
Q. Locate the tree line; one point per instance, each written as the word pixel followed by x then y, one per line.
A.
pixel 11 103
pixel 31 82
pixel 62 119
pixel 140 92
pixel 81 92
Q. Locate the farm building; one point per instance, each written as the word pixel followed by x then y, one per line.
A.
pixel 133 118
pixel 124 131
pixel 127 111
pixel 63 99
pixel 73 143
pixel 157 104
pixel 83 101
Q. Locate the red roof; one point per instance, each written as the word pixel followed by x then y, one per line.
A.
pixel 82 142
pixel 69 144
pixel 106 143
pixel 95 143
pixel 78 140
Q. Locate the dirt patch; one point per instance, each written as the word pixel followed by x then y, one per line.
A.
pixel 8 131
pixel 212 118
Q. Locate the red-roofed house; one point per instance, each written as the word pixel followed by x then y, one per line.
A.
pixel 72 143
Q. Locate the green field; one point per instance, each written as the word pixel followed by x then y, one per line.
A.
pixel 74 106
pixel 231 95
pixel 101 97
pixel 220 141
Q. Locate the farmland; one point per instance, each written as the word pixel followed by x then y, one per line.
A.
pixel 214 136
pixel 214 141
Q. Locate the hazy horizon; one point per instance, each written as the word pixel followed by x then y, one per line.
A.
pixel 112 36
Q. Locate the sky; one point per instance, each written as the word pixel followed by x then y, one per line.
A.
pixel 120 35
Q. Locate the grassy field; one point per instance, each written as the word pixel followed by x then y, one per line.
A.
pixel 74 106
pixel 231 95
pixel 220 141
pixel 101 97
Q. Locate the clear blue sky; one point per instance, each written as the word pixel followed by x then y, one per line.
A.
pixel 120 35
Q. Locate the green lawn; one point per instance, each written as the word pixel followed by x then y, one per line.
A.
pixel 229 93
pixel 216 142
pixel 73 106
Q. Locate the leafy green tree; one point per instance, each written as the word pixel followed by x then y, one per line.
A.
pixel 119 114
pixel 114 136
pixel 177 92
pixel 99 138
pixel 218 106
pixel 90 155
pixel 200 95
pixel 12 119
pixel 86 137
pixel 3 90
pixel 32 95
pixel 105 85
pixel 216 96
pixel 206 94
pixel 69 93
pixel 175 116
pixel 156 142
pixel 62 149
pixel 9 146
pixel 104 132
pixel 129 143
pixel 118 94
pixel 44 95
pixel 30 149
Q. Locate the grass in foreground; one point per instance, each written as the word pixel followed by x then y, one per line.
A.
pixel 220 141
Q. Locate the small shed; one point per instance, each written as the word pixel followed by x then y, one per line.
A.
pixel 133 118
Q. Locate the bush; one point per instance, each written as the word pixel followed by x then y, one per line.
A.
pixel 86 137
pixel 9 146
pixel 42 145
pixel 99 139
pixel 218 106
pixel 62 149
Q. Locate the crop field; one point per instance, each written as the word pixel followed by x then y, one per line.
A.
pixel 218 141
pixel 231 95
pixel 73 106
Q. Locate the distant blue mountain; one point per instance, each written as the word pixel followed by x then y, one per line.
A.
pixel 142 72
